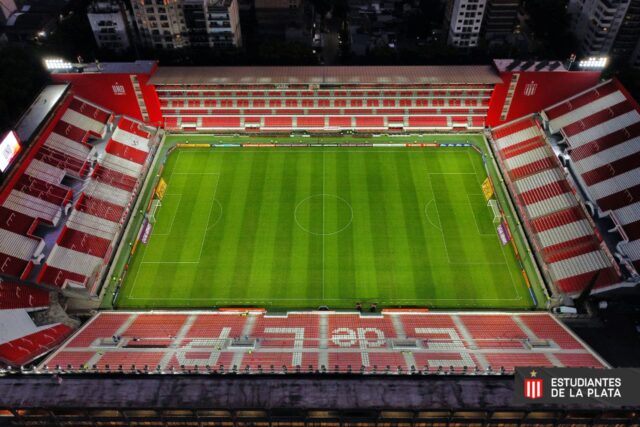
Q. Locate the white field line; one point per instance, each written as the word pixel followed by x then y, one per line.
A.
pixel 444 239
pixel 142 261
pixel 237 300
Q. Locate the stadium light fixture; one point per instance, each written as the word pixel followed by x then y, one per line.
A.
pixel 594 62
pixel 56 64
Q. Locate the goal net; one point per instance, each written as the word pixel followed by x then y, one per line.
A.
pixel 495 209
pixel 151 215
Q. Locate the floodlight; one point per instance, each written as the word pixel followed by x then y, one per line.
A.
pixel 593 62
pixel 55 64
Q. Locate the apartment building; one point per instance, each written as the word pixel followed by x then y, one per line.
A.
pixel 464 21
pixel 111 24
pixel 174 24
pixel 596 24
pixel 500 18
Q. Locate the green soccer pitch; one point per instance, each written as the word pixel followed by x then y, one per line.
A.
pixel 287 228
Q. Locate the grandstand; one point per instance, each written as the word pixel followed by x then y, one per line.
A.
pixel 485 187
pixel 24 342
pixel 565 238
pixel 600 130
pixel 61 213
pixel 99 181
pixel 358 99
pixel 393 342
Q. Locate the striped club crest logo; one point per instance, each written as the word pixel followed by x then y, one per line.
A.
pixel 532 388
pixel 531 88
pixel 118 89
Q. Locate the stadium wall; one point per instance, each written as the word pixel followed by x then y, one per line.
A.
pixel 534 91
pixel 115 92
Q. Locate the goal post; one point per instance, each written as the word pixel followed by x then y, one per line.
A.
pixel 495 208
pixel 151 215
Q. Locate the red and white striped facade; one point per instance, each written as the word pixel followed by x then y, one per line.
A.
pixel 601 128
pixel 564 237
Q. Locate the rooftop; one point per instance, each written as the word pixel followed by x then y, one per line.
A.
pixel 518 65
pixel 39 110
pixel 137 67
pixel 475 74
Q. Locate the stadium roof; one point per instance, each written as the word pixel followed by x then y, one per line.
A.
pixel 474 74
pixel 39 110
pixel 137 67
pixel 517 65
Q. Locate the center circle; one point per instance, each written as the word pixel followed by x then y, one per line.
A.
pixel 323 214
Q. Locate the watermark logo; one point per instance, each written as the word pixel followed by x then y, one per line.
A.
pixel 533 386
pixel 580 387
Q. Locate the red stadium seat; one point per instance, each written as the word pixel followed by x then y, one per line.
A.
pixel 13 295
pixel 428 121
pixel 346 342
pixel 311 122
pixel 23 350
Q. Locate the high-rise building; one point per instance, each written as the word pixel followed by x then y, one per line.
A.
pixel 596 24
pixel 160 23
pixel 212 23
pixel 627 43
pixel 464 21
pixel 110 23
pixel 500 18
pixel 177 24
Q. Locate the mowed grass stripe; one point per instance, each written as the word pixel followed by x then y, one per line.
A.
pixel 399 228
pixel 232 233
pixel 333 211
pixel 282 245
pixel 294 268
pixel 342 230
pixel 204 278
pixel 415 233
pixel 211 270
pixel 364 240
pixel 382 225
pixel 261 251
pixel 433 262
pixel 263 213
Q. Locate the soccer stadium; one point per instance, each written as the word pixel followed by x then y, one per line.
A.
pixel 310 245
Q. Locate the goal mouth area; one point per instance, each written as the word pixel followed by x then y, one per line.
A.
pixel 156 204
pixel 495 210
